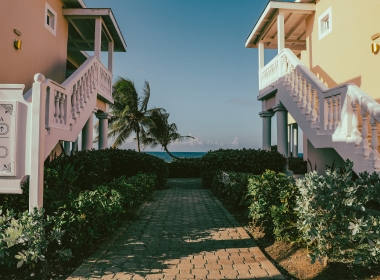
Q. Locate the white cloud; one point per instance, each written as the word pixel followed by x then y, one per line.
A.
pixel 235 143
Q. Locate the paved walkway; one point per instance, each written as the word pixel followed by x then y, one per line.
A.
pixel 184 232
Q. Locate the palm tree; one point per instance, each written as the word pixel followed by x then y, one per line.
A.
pixel 129 112
pixel 159 131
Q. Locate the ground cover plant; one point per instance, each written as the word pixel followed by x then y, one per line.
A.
pixel 244 160
pixel 74 219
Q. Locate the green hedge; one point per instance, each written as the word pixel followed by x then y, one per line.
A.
pixel 245 160
pixel 96 167
pixel 297 165
pixel 185 168
pixel 77 223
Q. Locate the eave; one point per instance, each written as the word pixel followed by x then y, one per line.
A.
pixel 265 30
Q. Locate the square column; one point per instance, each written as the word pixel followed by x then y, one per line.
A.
pixel 110 56
pixel 295 139
pixel 261 55
pixel 267 128
pixel 103 129
pixel 281 31
pixel 98 37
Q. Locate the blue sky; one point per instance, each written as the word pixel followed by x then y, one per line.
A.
pixel 192 53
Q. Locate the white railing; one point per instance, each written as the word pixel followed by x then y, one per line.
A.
pixel 66 102
pixel 337 111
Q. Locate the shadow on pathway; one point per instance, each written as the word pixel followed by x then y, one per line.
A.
pixel 184 232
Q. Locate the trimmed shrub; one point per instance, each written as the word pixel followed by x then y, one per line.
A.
pixel 185 168
pixel 270 200
pixel 97 167
pixel 231 185
pixel 333 219
pixel 297 165
pixel 245 160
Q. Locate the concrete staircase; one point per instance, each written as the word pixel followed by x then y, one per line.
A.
pixel 344 118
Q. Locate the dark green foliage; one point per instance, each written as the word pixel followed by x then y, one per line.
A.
pixel 333 218
pixel 97 167
pixel 185 168
pixel 245 160
pixel 271 198
pixel 297 165
pixel 232 186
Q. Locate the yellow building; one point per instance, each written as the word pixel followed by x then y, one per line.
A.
pixel 324 76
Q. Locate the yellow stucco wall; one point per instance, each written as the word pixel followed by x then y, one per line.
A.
pixel 345 54
pixel 41 51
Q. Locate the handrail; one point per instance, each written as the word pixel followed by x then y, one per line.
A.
pixel 334 111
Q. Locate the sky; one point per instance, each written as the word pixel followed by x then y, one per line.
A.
pixel 192 53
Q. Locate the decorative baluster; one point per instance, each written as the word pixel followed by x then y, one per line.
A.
pixel 73 103
pixel 62 108
pixel 329 113
pixel 88 87
pixel 355 133
pixel 81 92
pixel 296 84
pixel 308 100
pixel 335 111
pixel 56 106
pixel 339 110
pixel 364 148
pixel 77 93
pixel 374 154
pixel 304 95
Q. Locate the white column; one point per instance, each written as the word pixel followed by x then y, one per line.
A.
pixel 282 129
pixel 267 128
pixel 110 56
pixel 98 37
pixel 87 134
pixel 261 55
pixel 37 143
pixel 103 130
pixel 295 140
pixel 74 147
pixel 280 31
pixel 290 140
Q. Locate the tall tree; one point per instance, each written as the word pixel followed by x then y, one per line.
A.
pixel 129 112
pixel 160 132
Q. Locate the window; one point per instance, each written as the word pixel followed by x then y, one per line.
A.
pixel 50 19
pixel 325 23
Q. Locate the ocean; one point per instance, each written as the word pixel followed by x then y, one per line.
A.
pixel 167 158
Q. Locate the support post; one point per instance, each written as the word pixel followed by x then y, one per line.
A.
pixel 261 55
pixel 37 143
pixel 295 140
pixel 103 129
pixel 290 140
pixel 110 56
pixel 98 37
pixel 67 145
pixel 282 129
pixel 281 31
pixel 87 134
pixel 267 128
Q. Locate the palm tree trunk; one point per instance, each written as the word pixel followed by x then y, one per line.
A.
pixel 138 140
pixel 170 154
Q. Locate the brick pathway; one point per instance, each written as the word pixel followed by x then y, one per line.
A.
pixel 183 233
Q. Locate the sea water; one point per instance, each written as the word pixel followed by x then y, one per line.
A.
pixel 165 156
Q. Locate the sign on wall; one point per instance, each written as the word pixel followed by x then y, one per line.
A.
pixel 7 138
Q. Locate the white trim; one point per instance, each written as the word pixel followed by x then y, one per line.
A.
pixel 49 12
pixel 325 23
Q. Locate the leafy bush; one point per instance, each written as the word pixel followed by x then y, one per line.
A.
pixel 297 165
pixel 231 185
pixel 31 239
pixel 97 167
pixel 185 168
pixel 333 218
pixel 270 200
pixel 133 190
pixel 245 160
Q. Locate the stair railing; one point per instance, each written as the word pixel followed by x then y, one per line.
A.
pixel 345 112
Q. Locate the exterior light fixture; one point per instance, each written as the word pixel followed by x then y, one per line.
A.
pixel 375 46
pixel 17 44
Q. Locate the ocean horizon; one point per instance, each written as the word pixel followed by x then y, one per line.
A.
pixel 165 156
